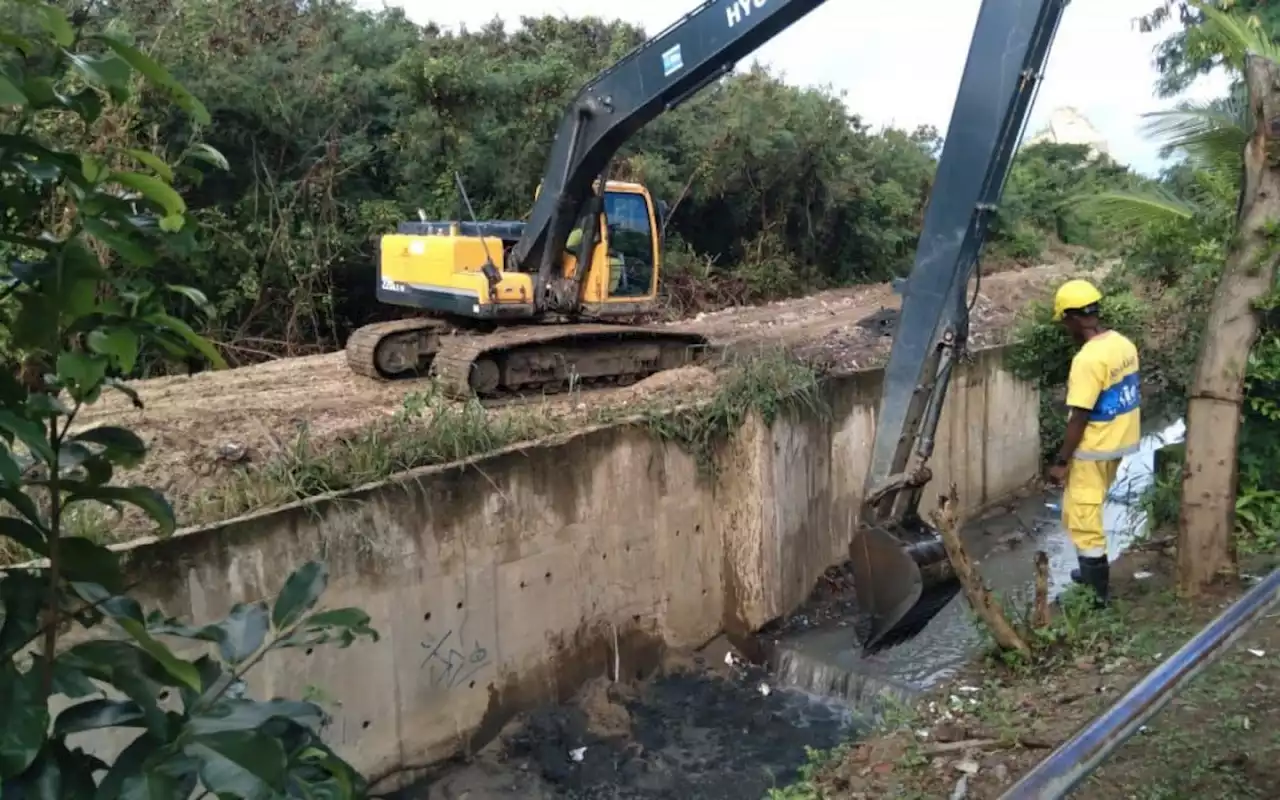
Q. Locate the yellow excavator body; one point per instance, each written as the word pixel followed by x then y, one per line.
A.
pixel 482 329
pixel 446 261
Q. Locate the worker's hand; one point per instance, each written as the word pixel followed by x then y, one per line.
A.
pixel 1058 475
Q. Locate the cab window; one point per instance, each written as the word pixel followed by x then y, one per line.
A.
pixel 630 244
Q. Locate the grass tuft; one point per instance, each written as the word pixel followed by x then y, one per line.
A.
pixel 768 383
pixel 429 429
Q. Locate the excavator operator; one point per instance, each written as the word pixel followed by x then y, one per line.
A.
pixel 1103 398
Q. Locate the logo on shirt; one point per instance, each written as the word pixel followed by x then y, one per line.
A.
pixel 1117 399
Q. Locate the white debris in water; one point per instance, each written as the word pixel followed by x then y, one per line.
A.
pixel 728 658
pixel 765 690
pixel 922 733
pixel 1141 575
pixel 967 766
pixel 968 689
pixel 1053 506
pixel 1258 653
pixel 577 753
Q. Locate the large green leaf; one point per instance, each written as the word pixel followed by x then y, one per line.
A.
pixel 160 77
pixel 206 153
pixel 86 560
pixel 240 764
pixel 153 189
pixel 144 497
pixel 25 534
pixel 66 680
pixel 300 593
pixel 179 669
pixel 189 337
pixel 109 72
pixel 10 473
pixel 132 670
pixel 56 774
pixel 19 43
pixel 55 22
pixel 149 769
pixel 153 163
pixel 244 631
pixel 248 715
pixel 29 432
pixel 10 93
pixel 119 444
pixel 25 721
pixel 339 625
pixel 130 247
pixel 81 372
pixel 96 714
pixel 22 599
pixel 20 501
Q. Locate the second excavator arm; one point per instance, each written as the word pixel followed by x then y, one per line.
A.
pixel 650 80
pixel 1010 46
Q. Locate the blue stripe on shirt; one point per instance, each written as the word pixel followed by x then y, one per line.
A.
pixel 1118 399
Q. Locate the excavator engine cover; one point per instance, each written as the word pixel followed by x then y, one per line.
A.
pixel 901 583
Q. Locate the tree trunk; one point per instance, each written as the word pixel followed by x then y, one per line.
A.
pixel 945 519
pixel 1206 548
pixel 1040 616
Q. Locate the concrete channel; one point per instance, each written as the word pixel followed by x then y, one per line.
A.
pixel 710 729
pixel 516 590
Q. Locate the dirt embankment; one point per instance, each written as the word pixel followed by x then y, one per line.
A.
pixel 202 428
pixel 1216 738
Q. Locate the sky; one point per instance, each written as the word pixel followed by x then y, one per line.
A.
pixel 899 63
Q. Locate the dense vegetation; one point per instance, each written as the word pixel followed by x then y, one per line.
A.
pixel 82 224
pixel 336 123
pixel 1174 238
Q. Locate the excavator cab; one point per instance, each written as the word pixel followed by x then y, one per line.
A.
pixel 626 260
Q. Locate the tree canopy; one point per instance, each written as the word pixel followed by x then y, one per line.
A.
pixel 337 122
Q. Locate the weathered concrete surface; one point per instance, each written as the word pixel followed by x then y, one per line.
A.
pixel 505 582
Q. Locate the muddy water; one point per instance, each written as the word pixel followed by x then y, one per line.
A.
pixel 722 729
pixel 705 733
pixel 823 657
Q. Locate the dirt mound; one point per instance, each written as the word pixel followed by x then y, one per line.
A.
pixel 201 428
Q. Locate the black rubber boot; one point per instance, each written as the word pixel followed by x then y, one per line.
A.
pixel 1095 572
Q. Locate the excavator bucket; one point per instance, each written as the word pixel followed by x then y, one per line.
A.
pixel 901 585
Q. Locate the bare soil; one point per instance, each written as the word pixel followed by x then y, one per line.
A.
pixel 202 428
pixel 1216 739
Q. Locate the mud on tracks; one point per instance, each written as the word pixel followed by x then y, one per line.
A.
pixel 202 427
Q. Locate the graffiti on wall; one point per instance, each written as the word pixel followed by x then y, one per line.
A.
pixel 450 662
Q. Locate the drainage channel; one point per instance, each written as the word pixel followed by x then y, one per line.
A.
pixel 715 727
pixel 814 651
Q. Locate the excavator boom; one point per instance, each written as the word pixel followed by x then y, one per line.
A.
pixel 1010 45
pixel 650 80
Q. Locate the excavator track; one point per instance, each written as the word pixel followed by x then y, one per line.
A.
pixel 401 348
pixel 556 358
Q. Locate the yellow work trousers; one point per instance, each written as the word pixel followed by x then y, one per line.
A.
pixel 1087 485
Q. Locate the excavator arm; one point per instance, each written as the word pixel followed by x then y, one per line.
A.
pixel 903 578
pixel 650 80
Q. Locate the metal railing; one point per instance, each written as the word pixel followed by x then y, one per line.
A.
pixel 1079 756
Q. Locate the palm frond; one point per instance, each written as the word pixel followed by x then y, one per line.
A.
pixel 1134 210
pixel 1211 135
pixel 1235 35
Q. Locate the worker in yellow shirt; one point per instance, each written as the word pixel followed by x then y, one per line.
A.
pixel 1103 400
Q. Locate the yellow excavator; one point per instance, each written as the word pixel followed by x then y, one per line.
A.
pixel 513 306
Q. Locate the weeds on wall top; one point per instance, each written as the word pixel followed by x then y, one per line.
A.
pixel 767 384
pixel 79 231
